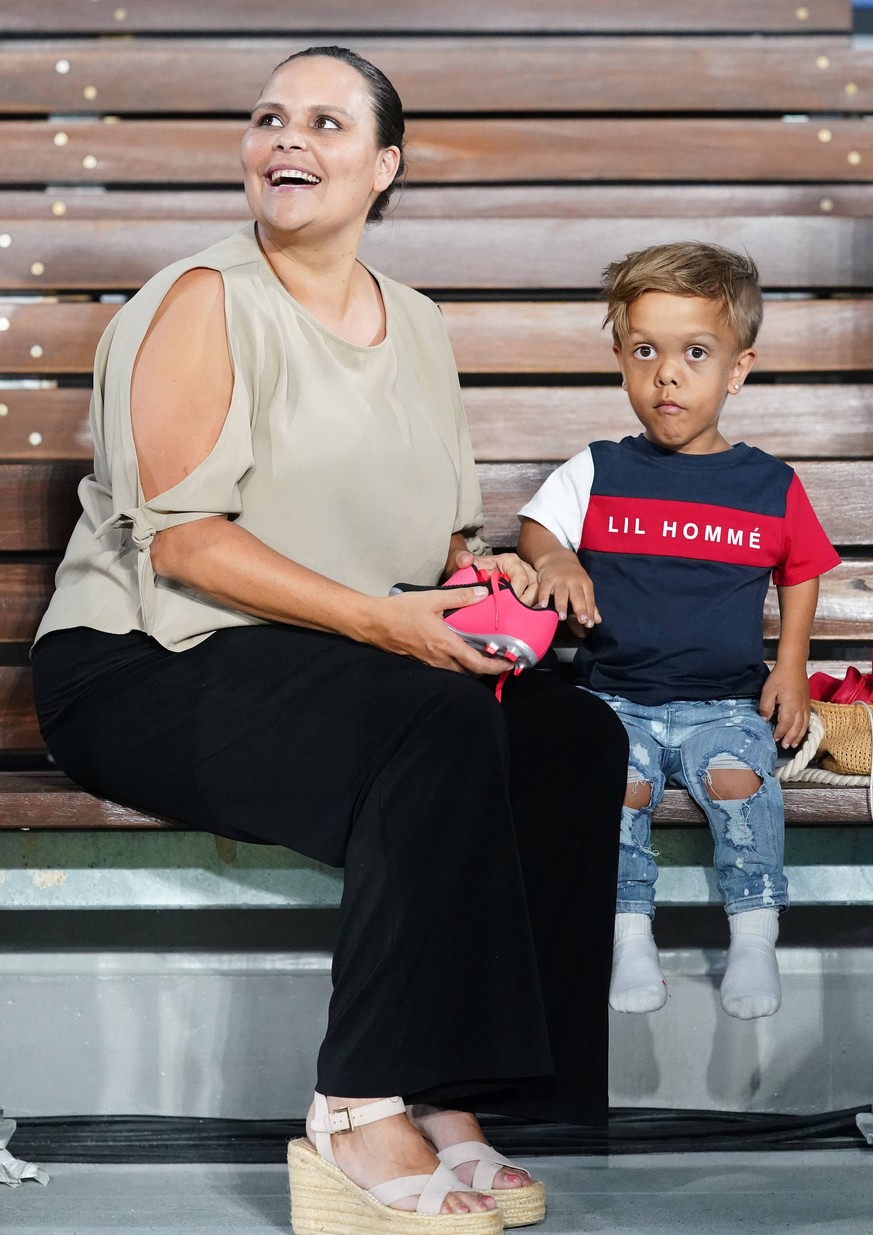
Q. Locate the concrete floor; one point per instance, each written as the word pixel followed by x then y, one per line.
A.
pixel 822 1192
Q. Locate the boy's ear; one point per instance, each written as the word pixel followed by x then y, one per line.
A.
pixel 616 351
pixel 740 370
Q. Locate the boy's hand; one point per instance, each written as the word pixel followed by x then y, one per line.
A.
pixel 786 692
pixel 562 577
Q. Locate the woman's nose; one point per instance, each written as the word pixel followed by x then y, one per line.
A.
pixel 290 137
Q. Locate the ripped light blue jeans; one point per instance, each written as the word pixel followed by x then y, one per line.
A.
pixel 683 743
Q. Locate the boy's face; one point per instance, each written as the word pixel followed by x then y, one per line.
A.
pixel 680 361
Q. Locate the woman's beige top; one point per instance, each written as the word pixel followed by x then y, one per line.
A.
pixel 354 461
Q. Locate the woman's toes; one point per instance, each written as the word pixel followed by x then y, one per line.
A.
pixel 468 1202
pixel 480 1202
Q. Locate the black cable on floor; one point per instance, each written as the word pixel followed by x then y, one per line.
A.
pixel 165 1139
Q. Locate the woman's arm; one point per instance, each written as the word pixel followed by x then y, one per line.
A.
pixel 180 396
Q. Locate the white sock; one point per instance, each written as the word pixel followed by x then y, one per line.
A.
pixel 751 986
pixel 637 982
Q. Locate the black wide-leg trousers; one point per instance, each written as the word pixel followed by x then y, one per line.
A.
pixel 478 839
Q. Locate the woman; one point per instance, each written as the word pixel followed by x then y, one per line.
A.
pixel 278 439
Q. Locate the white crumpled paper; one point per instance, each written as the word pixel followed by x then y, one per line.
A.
pixel 12 1170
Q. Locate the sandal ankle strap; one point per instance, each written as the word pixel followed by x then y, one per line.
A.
pixel 347 1118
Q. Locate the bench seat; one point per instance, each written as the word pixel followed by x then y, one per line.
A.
pixel 51 801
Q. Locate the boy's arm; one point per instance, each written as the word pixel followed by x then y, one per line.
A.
pixel 559 572
pixel 787 687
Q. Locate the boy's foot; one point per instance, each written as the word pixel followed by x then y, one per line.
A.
pixel 751 987
pixel 637 982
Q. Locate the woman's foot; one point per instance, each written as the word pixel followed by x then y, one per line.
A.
pixel 446 1128
pixel 392 1149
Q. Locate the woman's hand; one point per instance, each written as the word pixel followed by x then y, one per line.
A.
pixel 521 574
pixel 411 624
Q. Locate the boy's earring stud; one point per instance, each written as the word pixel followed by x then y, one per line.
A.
pixel 737 386
pixel 624 386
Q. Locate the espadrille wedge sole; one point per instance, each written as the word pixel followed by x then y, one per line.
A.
pixel 520 1206
pixel 324 1201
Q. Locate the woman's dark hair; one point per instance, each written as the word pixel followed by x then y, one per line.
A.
pixel 387 109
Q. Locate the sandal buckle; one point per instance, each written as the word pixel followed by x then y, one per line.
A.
pixel 346 1113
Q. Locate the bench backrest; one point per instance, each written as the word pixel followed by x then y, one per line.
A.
pixel 545 139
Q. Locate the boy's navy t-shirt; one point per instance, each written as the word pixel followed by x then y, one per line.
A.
pixel 681 549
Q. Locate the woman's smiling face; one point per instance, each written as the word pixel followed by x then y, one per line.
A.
pixel 310 155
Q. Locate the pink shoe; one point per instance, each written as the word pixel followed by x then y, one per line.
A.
pixel 501 624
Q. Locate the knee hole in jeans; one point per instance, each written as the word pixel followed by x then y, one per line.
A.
pixel 731 784
pixel 638 794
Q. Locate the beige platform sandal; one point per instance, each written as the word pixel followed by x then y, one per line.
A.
pixel 324 1201
pixel 521 1206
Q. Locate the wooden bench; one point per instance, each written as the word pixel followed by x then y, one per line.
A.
pixel 533 161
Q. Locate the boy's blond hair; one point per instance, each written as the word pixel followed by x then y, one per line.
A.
pixel 688 268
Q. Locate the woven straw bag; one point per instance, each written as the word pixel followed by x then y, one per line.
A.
pixel 837 750
pixel 847 745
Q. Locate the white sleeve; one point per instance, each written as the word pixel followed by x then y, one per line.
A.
pixel 561 502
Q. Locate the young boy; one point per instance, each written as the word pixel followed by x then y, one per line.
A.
pixel 678 532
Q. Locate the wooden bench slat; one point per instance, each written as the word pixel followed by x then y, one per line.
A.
pixel 38 503
pixel 841 494
pixel 25 590
pixel 798 336
pixel 433 75
pixel 845 605
pixel 19 729
pixel 45 424
pixel 191 16
pixel 38 506
pixel 845 608
pixel 489 201
pixel 805 805
pixel 50 801
pixel 477 254
pixel 519 423
pixel 51 337
pixel 204 152
pixel 554 422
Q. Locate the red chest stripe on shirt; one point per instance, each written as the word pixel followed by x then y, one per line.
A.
pixel 660 528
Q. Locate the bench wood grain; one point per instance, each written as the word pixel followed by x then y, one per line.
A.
pixel 38 503
pixel 205 152
pixel 468 255
pixel 305 16
pixel 50 337
pixel 49 801
pixel 487 201
pixel 435 75
pixel 845 608
pixel 818 420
